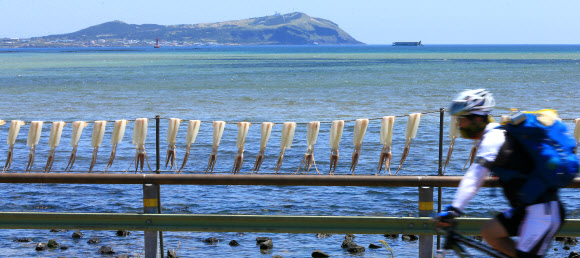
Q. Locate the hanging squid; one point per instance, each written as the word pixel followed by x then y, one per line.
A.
pixel 96 140
pixel 311 136
pixel 242 133
pixel 453 134
pixel 78 127
pixel 218 130
pixel 386 140
pixel 171 138
pixel 285 141
pixel 360 128
pixel 32 141
pixel 12 134
pixel 53 142
pixel 139 137
pixel 472 154
pixel 118 133
pixel 266 130
pixel 192 130
pixel 335 135
pixel 410 133
pixel 577 133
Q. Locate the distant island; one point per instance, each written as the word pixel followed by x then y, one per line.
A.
pixel 279 29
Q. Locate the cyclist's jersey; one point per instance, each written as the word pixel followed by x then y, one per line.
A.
pixel 488 148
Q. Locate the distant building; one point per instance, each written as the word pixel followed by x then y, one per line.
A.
pixel 407 43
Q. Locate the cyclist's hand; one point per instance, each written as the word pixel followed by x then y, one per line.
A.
pixel 447 217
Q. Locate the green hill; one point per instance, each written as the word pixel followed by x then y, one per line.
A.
pixel 288 29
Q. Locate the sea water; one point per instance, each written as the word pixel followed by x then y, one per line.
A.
pixel 263 84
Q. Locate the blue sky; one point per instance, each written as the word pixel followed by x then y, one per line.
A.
pixel 372 22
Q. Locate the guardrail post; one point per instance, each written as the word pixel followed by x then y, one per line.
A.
pixel 157 165
pixel 425 210
pixel 440 170
pixel 150 202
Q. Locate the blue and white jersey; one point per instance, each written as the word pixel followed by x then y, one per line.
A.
pixel 487 148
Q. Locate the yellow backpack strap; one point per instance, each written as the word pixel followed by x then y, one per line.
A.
pixel 547 117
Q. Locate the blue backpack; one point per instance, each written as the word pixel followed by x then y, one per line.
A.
pixel 548 142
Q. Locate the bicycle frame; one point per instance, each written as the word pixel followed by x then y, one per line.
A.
pixel 454 241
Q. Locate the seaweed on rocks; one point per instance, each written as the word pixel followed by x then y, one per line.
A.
pixel 52 244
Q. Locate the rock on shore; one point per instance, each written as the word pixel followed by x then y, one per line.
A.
pixel 106 250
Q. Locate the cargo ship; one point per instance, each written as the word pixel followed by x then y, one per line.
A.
pixel 408 43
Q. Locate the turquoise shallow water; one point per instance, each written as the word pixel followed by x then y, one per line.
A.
pixel 258 84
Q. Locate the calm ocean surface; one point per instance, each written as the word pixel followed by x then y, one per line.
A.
pixel 263 84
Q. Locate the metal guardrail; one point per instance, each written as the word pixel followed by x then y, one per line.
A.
pixel 152 223
pixel 215 223
pixel 228 179
pixel 244 223
pixel 211 179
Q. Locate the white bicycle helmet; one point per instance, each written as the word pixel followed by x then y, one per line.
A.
pixel 477 102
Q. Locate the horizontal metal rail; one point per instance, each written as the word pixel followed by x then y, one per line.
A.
pixel 210 179
pixel 243 223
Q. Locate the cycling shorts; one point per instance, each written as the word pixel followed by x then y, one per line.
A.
pixel 534 225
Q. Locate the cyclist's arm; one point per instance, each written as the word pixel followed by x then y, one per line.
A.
pixel 469 185
pixel 475 176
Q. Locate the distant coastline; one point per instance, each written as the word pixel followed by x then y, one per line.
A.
pixel 279 29
pixel 23 45
pixel 42 43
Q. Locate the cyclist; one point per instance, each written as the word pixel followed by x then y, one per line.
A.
pixel 534 223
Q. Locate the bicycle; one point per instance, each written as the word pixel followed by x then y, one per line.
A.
pixel 454 241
